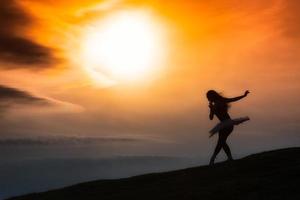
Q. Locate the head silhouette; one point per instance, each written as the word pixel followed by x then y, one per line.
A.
pixel 213 96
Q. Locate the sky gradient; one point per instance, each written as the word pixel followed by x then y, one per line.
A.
pixel 47 98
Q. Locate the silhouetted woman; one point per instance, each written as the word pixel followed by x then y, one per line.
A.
pixel 219 106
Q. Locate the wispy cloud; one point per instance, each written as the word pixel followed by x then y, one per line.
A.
pixel 65 140
pixel 12 96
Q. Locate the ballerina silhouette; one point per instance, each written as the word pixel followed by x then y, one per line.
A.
pixel 219 106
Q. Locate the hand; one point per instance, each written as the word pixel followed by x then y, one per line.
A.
pixel 247 92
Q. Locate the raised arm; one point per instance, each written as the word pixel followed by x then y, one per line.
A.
pixel 228 100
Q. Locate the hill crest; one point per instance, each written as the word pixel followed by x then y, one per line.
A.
pixel 267 175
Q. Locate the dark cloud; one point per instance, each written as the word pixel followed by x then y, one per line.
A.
pixel 14 47
pixel 12 16
pixel 11 96
pixel 21 50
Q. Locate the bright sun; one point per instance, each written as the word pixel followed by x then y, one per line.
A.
pixel 125 46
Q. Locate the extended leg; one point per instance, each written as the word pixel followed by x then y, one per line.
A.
pixel 217 150
pixel 223 134
pixel 227 151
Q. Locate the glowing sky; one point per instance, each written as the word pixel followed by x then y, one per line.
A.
pixel 230 46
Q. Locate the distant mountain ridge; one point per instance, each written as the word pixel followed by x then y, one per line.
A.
pixel 268 175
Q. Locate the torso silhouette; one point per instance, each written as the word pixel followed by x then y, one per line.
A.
pixel 220 109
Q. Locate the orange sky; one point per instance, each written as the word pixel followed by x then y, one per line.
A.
pixel 229 46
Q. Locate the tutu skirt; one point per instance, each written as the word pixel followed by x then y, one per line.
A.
pixel 227 123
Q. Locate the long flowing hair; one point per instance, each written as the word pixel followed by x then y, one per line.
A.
pixel 214 97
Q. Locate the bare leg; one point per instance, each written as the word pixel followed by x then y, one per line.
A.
pixel 223 134
pixel 217 150
pixel 227 151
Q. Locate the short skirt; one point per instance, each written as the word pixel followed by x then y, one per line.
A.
pixel 227 123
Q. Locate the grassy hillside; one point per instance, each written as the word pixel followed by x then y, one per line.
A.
pixel 267 175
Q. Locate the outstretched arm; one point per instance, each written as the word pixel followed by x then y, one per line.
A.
pixel 228 100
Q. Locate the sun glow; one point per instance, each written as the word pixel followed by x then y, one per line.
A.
pixel 125 46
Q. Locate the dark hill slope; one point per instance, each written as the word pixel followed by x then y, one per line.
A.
pixel 267 175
